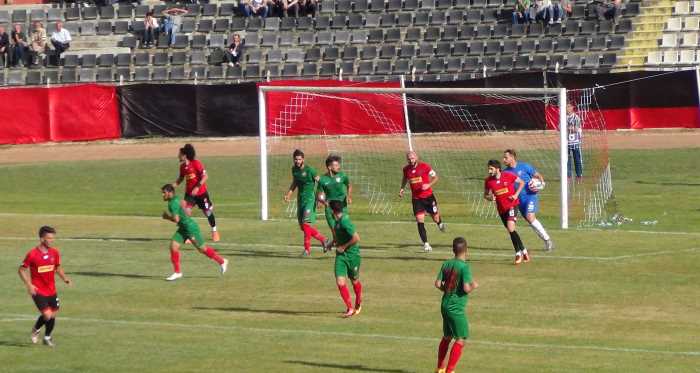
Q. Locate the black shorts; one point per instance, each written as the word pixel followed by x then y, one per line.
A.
pixel 425 205
pixel 510 215
pixel 202 201
pixel 44 302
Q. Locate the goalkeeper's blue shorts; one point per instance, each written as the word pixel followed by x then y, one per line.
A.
pixel 529 203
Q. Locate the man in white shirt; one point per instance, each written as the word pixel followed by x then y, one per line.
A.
pixel 60 39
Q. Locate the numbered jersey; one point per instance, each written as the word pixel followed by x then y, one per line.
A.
pixel 502 188
pixel 416 177
pixel 42 266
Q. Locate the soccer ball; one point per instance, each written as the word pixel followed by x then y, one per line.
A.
pixel 536 185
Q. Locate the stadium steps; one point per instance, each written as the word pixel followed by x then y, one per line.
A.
pixel 647 29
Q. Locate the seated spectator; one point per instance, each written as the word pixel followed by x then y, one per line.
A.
pixel 234 53
pixel 277 8
pixel 309 7
pixel 254 8
pixel 558 11
pixel 173 20
pixel 567 8
pixel 605 9
pixel 38 43
pixel 60 39
pixel 292 8
pixel 542 11
pixel 4 46
pixel 19 45
pixel 150 30
pixel 521 12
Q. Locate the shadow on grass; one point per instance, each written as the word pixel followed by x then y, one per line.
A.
pixel 14 344
pixel 352 367
pixel 254 310
pixel 129 239
pixel 272 254
pixel 122 275
pixel 666 183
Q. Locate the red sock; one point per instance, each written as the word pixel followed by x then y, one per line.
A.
pixel 455 354
pixel 357 287
pixel 442 351
pixel 307 242
pixel 311 231
pixel 175 259
pixel 345 294
pixel 211 253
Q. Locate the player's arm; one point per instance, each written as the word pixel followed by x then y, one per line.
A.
pixel 292 188
pixel 349 197
pixel 167 215
pixel 439 284
pixel 26 278
pixel 487 194
pixel 178 181
pixel 355 239
pixel 62 275
pixel 433 179
pixel 403 185
pixel 470 286
pixel 521 185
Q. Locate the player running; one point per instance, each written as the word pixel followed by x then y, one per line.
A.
pixel 334 186
pixel 192 170
pixel 421 178
pixel 38 271
pixel 187 230
pixel 455 281
pixel 501 187
pixel 347 258
pixel 529 201
pixel 304 178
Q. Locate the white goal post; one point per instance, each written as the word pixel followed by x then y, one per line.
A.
pixel 560 93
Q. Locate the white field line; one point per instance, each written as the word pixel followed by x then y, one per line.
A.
pixel 292 248
pixel 545 346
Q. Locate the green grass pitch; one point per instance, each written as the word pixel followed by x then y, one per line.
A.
pixel 623 300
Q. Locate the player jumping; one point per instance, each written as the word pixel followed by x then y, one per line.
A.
pixel 347 258
pixel 529 201
pixel 192 170
pixel 334 186
pixel 187 229
pixel 421 178
pixel 455 281
pixel 501 187
pixel 304 178
pixel 37 271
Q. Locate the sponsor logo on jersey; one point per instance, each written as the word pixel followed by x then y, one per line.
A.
pixel 500 192
pixel 337 179
pixel 416 180
pixel 44 269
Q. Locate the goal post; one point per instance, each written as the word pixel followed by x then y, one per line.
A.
pixel 551 99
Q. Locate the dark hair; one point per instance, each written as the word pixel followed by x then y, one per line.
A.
pixel 332 158
pixel 43 231
pixel 511 152
pixel 494 163
pixel 336 206
pixel 188 151
pixel 459 245
pixel 168 188
pixel 298 153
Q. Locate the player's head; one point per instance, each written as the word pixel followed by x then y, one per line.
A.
pixel 298 157
pixel 168 191
pixel 494 167
pixel 187 153
pixel 412 158
pixel 509 157
pixel 333 163
pixel 570 108
pixel 459 246
pixel 47 235
pixel 336 206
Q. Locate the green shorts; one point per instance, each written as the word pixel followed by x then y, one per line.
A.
pixel 194 234
pixel 306 211
pixel 330 219
pixel 348 265
pixel 454 324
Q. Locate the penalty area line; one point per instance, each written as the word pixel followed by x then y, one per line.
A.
pixel 498 344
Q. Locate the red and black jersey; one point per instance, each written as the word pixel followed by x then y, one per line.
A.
pixel 502 188
pixel 193 172
pixel 42 266
pixel 416 177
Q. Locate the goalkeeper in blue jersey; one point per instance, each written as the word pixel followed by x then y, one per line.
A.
pixel 529 199
pixel 575 140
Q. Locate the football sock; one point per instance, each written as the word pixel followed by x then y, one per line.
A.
pixel 439 221
pixel 39 322
pixel 212 221
pixel 49 327
pixel 212 254
pixel 455 354
pixel 313 232
pixel 175 259
pixel 307 242
pixel 539 229
pixel 442 352
pixel 357 287
pixel 517 243
pixel 422 233
pixel 345 294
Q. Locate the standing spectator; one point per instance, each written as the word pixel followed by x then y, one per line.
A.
pixel 4 46
pixel 310 7
pixel 60 39
pixel 150 29
pixel 234 53
pixel 173 20
pixel 521 12
pixel 575 137
pixel 19 45
pixel 38 42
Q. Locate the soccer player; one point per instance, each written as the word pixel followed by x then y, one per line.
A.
pixel 304 178
pixel 501 187
pixel 334 186
pixel 38 271
pixel 187 229
pixel 421 178
pixel 529 201
pixel 193 171
pixel 347 258
pixel 575 134
pixel 456 282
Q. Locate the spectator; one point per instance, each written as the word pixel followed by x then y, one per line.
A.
pixel 60 39
pixel 310 7
pixel 605 9
pixel 521 12
pixel 150 30
pixel 542 11
pixel 558 12
pixel 4 46
pixel 19 45
pixel 567 8
pixel 292 8
pixel 254 7
pixel 38 43
pixel 173 20
pixel 277 8
pixel 234 53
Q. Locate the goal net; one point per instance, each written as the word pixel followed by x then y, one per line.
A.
pixel 456 131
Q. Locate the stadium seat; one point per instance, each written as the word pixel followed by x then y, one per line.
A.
pixel 407 51
pixel 104 28
pixel 235 72
pixel 70 60
pixel 360 36
pixel 372 20
pixel 339 21
pixel 350 53
pixel 254 56
pixel 421 18
pixel 215 41
pixel 388 20
pixel 592 61
pixel 178 58
pixel 181 41
pixel 52 15
pixel 375 36
pixel 431 34
pixel 177 73
pixel 160 73
pixel 573 62
pixel 288 39
pixel 88 28
pixel 404 19
pixel 123 59
pixel 580 44
pixel 425 50
pixel 252 72
pixel 209 10
pixel 142 74
pixel 460 48
pixel 402 66
pixel 121 27
pixel 107 12
pixel 238 24
pixel 37 15
pixel 436 65
pixel 296 55
pixel 454 65
pixel 226 9
pixel 106 60
pixel 341 37
pixel 272 24
pixel 33 77
pixel 72 14
pixel 324 38
pixel 438 18
pixel 539 62
pixel 443 49
pixel 365 68
pixel 290 70
pixel 69 76
pixel 382 67
pixel 450 33
pixel 142 59
pixel 609 59
pixel 410 5
pixel 198 57
pixel 309 69
pixel 288 23
pixel 313 54
pixel 413 34
pixel 368 52
pixel 129 42
pixel 50 76
pixel 88 60
pixel 160 59
pixel 522 63
pixel 216 72
pixel 387 52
